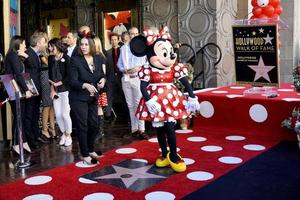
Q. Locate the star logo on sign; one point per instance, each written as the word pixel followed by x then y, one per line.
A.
pixel 261 30
pixel 130 176
pixel 268 39
pixel 261 70
pixel 253 33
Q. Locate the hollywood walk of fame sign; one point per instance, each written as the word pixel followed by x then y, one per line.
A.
pixel 256 54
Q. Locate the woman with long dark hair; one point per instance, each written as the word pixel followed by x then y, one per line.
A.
pixel 14 65
pixel 85 76
pixel 58 63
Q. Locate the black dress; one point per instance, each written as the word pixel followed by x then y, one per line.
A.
pixel 14 65
pixel 45 90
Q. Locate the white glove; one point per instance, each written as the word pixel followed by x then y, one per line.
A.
pixel 153 106
pixel 192 105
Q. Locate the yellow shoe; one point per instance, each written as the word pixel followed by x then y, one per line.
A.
pixel 162 162
pixel 179 166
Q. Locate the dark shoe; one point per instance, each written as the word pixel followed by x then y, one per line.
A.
pixel 42 140
pixel 34 145
pixel 143 136
pixel 135 133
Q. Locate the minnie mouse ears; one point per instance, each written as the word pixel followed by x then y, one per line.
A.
pixel 85 34
pixel 138 46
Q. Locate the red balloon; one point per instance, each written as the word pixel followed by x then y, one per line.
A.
pixel 254 3
pixel 278 10
pixel 257 11
pixel 268 10
pixel 274 3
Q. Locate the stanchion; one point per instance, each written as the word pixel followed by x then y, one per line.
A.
pixel 21 163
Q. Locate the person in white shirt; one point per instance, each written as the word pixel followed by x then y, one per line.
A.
pixel 129 65
pixel 72 43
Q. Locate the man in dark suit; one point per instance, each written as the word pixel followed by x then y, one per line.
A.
pixel 72 43
pixel 115 92
pixel 38 43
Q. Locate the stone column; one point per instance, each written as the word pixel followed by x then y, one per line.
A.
pixel 289 51
pixel 85 13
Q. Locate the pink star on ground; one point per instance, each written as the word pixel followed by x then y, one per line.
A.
pixel 261 70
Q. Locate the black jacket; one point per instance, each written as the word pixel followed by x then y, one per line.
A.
pixel 75 51
pixel 14 65
pixel 58 71
pixel 80 73
pixel 33 67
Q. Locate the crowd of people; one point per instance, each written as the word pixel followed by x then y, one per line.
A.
pixel 75 80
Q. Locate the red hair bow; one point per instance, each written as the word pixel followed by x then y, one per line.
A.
pixel 152 37
pixel 85 34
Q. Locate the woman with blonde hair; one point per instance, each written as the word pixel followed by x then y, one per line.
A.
pixel 102 98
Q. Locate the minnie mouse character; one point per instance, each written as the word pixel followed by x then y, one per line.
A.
pixel 162 102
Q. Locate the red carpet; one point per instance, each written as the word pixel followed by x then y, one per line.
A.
pixel 65 184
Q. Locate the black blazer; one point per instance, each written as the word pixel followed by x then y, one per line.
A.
pixel 80 73
pixel 58 71
pixel 33 67
pixel 75 51
pixel 14 65
pixel 111 66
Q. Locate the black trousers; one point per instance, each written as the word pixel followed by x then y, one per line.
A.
pixel 15 138
pixel 32 115
pixel 115 95
pixel 86 123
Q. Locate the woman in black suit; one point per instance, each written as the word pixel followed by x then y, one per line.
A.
pixel 86 76
pixel 14 65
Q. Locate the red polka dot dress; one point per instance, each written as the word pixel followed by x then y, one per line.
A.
pixel 162 89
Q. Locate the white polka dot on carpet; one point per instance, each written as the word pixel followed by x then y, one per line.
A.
pixel 38 180
pixel 185 131
pixel 99 196
pixel 126 150
pixel 235 138
pixel 230 160
pixel 39 197
pixel 188 161
pixel 254 147
pixel 211 148
pixel 81 164
pixel 200 176
pixel 196 139
pixel 86 181
pixel 159 195
pixel 140 160
pixel 153 140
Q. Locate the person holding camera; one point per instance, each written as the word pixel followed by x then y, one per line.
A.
pixel 86 78
pixel 58 63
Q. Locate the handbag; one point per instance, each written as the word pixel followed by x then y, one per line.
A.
pixel 102 99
